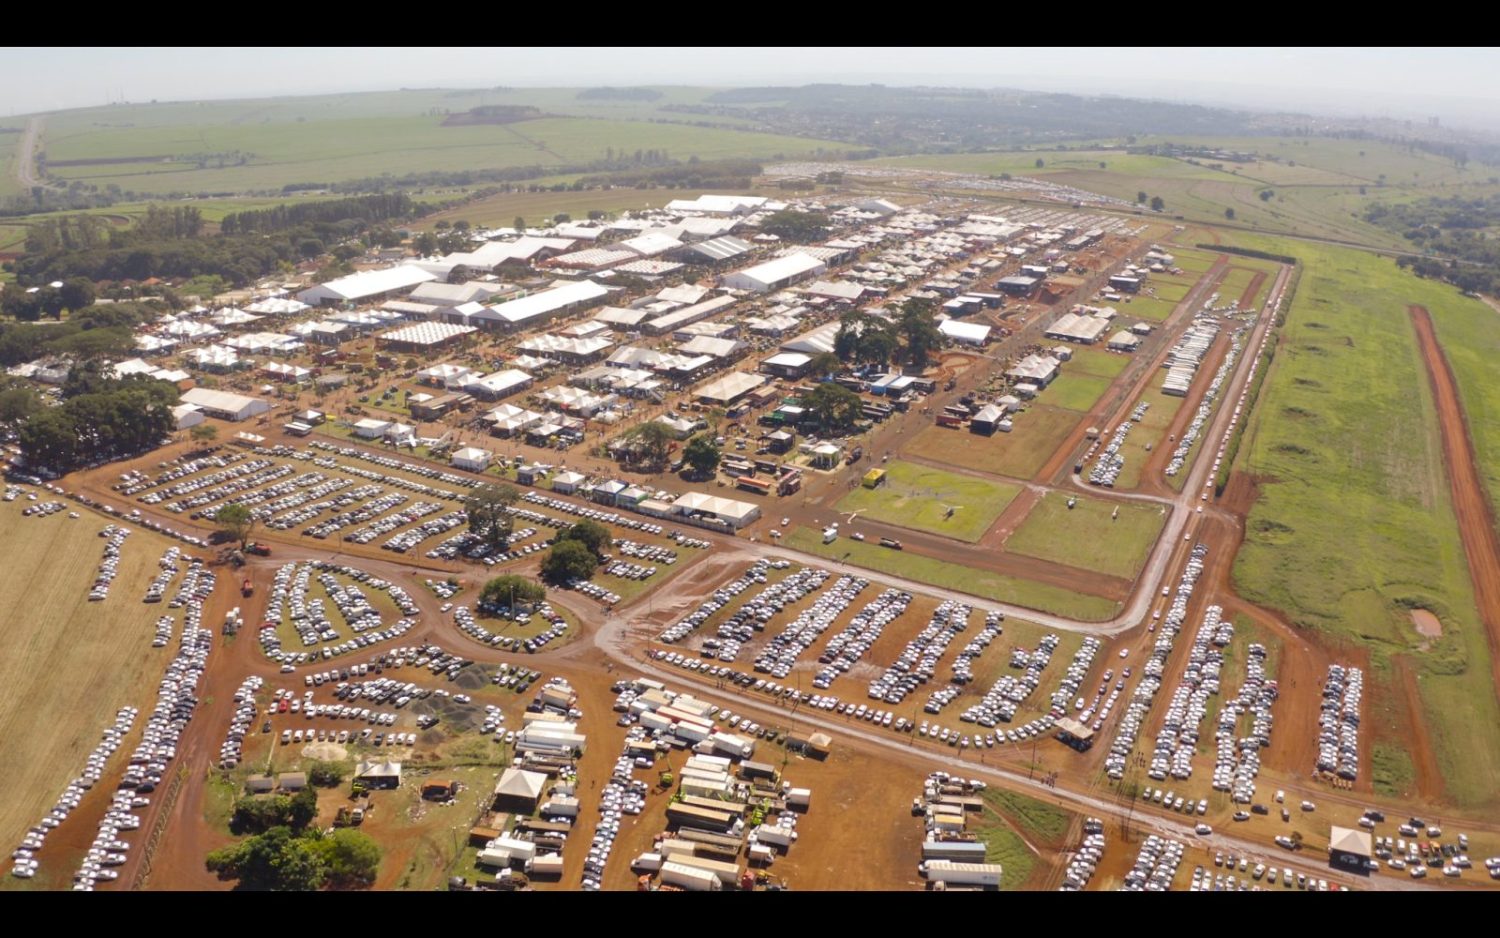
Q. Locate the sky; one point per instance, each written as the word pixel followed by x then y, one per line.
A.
pixel 1461 85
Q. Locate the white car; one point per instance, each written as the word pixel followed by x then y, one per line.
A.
pixel 1203 830
pixel 785 522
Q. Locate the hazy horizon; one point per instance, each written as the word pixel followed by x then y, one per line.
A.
pixel 1459 86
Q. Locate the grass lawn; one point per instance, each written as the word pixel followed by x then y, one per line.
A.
pixel 1097 362
pixel 1469 332
pixel 1036 819
pixel 1084 536
pixel 1391 771
pixel 1354 525
pixel 1148 308
pixel 1039 430
pixel 982 583
pixel 1005 847
pixel 1075 390
pixel 919 497
pixel 67 664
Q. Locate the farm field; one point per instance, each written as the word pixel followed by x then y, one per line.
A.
pixel 221 153
pixel 1085 536
pixel 1039 430
pixel 980 583
pixel 1346 410
pixel 919 497
pixel 69 664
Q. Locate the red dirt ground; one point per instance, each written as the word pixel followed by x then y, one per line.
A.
pixel 1476 521
pixel 1248 296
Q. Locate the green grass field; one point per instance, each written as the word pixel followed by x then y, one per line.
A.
pixel 262 145
pixel 919 497
pixel 1039 430
pixel 982 583
pixel 1469 332
pixel 1075 390
pixel 1096 361
pixel 1147 308
pixel 1036 819
pixel 1354 525
pixel 1085 536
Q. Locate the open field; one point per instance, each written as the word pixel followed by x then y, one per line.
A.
pixel 1085 536
pixel 68 664
pixel 981 583
pixel 921 497
pixel 1469 331
pixel 1097 362
pixel 1039 430
pixel 1075 391
pixel 1318 187
pixel 251 146
pixel 1354 526
pixel 1148 308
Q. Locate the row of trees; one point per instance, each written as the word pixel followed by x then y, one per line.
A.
pixel 394 206
pixel 25 306
pixel 285 860
pixel 576 552
pixel 127 417
pixel 866 339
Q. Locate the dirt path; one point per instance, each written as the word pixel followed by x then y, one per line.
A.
pixel 1476 521
pixel 26 157
pixel 1429 778
pixel 1248 296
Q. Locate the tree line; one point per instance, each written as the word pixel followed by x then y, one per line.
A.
pixel 1456 228
pixel 100 419
pixel 394 206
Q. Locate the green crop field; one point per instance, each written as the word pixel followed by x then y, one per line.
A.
pixel 920 497
pixel 1354 525
pixel 1075 391
pixel 247 146
pixel 1086 536
pixel 983 583
pixel 1039 430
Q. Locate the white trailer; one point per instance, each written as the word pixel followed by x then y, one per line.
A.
pixel 966 874
pixel 799 797
pixel 690 878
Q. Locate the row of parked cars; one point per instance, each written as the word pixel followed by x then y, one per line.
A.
pixel 238 491
pixel 757 573
pixel 1338 722
pixel 25 856
pixel 240 724
pixel 779 655
pixel 109 567
pixel 856 638
pixel 1141 699
pixel 1177 740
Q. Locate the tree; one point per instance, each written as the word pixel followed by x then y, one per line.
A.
pixel 518 223
pixel 1229 214
pixel 17 405
pixel 702 454
pixel 511 590
pixel 303 809
pixel 651 443
pixel 51 301
pixel 78 293
pixel 425 244
pixel 15 301
pixel 1141 197
pixel 833 406
pixel 488 517
pixel 204 433
pixel 326 774
pixel 277 860
pixel 826 364
pixel 1157 203
pixel 1266 195
pixel 568 561
pixel 50 438
pixel 351 857
pixel 919 330
pixel 236 522
pixel 1040 163
pixel 591 534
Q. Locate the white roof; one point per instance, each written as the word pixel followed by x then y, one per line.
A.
pixel 815 341
pixel 686 294
pixel 501 382
pixel 776 270
pixel 713 504
pixel 964 331
pixel 427 333
pixel 518 783
pixel 471 454
pixel 564 345
pixel 835 288
pixel 370 282
pixel 706 345
pixel 788 359
pixel 650 244
pixel 548 301
pixel 615 316
pixel 210 399
pixel 730 386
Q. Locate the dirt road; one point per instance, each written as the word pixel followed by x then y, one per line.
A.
pixel 1476 520
pixel 26 156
